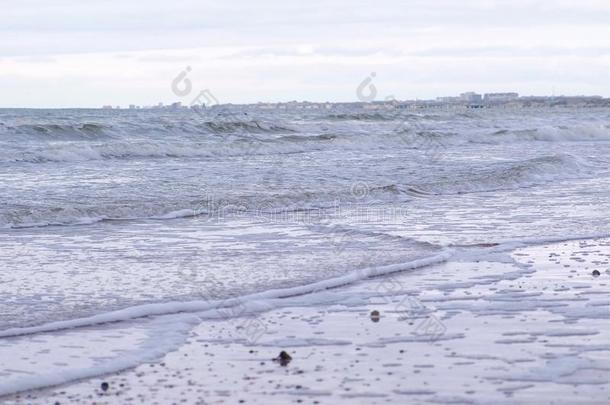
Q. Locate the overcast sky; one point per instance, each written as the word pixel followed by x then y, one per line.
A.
pixel 64 53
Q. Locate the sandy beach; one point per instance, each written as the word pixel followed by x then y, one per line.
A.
pixel 310 202
pixel 529 325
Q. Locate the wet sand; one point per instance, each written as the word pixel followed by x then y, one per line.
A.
pixel 528 326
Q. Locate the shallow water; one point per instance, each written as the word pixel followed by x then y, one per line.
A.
pixel 104 210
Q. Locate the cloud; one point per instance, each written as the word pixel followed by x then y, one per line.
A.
pixel 168 58
pixel 35 59
pixel 513 52
pixel 37 27
pixel 124 51
pixel 309 50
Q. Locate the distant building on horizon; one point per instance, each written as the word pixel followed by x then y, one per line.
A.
pixel 471 97
pixel 491 98
pixel 448 99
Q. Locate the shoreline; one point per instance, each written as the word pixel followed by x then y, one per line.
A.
pixel 521 332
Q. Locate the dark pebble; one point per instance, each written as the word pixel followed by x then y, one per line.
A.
pixel 284 358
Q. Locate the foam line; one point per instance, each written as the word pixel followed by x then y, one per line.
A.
pixel 198 306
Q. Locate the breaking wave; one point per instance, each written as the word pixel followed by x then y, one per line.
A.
pixel 578 133
pixel 284 204
pixel 85 131
pixel 509 175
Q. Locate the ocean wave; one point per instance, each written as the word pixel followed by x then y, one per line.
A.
pixel 274 203
pixel 233 145
pixel 38 217
pixel 253 126
pixel 360 117
pixel 295 205
pixel 307 138
pixel 48 131
pixel 51 131
pixel 302 205
pixel 74 152
pixel 418 133
pixel 203 138
pixel 508 175
pixel 167 308
pixel 390 114
pixel 580 133
pixel 547 133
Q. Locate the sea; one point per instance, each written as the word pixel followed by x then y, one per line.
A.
pixel 115 214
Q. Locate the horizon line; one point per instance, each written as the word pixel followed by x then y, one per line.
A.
pixel 164 105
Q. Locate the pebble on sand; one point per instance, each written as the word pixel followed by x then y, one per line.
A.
pixel 105 386
pixel 284 358
pixel 375 316
pixel 595 273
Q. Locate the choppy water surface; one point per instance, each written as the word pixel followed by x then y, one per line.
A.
pixel 102 210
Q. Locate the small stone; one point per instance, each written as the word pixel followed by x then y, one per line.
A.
pixel 104 386
pixel 595 273
pixel 375 316
pixel 284 358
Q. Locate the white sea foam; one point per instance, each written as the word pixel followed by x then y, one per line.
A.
pixel 198 306
pixel 118 347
